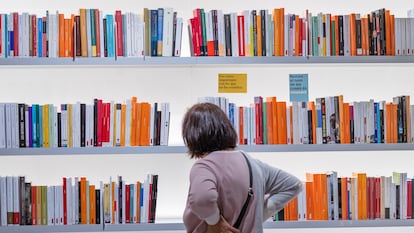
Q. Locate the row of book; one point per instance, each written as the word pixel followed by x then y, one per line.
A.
pixel 158 32
pixel 261 33
pixel 326 196
pixel 101 123
pixel 326 120
pixel 76 201
pixel 91 33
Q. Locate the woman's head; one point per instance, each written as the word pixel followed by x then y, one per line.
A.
pixel 206 128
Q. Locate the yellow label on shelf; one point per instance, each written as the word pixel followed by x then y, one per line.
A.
pixel 232 83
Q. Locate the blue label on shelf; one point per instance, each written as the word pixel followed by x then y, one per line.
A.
pixel 298 88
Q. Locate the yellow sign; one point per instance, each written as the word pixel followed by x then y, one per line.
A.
pixel 232 83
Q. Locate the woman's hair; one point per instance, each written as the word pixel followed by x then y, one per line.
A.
pixel 206 128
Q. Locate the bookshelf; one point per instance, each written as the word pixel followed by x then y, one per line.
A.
pixel 60 80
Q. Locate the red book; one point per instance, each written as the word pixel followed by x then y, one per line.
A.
pixel 409 199
pixel 195 38
pixel 240 35
pixel 119 34
pixel 16 33
pixel 44 44
pixel 258 103
pixel 34 36
pixel 65 205
pixel 34 207
pixel 127 203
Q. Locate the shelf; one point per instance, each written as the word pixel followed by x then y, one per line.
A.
pixel 182 149
pixel 145 227
pixel 193 61
pixel 60 228
pixel 340 223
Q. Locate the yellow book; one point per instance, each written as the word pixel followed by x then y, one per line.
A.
pixel 45 125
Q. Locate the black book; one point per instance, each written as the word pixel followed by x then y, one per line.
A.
pixel 22 122
pixel 82 125
pixel 59 129
pixel 227 34
pixel 98 206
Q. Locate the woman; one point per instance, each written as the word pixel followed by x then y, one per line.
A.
pixel 220 178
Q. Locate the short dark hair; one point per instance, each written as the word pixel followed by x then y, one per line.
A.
pixel 206 128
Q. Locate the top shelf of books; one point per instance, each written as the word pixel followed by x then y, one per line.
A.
pixel 194 61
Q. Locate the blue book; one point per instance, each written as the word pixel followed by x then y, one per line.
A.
pixel 35 127
pixel 160 30
pixel 40 126
pixel 110 35
pixel 39 36
pixel 154 32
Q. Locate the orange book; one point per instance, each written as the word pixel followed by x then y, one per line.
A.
pixel 346 125
pixel 123 124
pixel 344 198
pixel 83 32
pixel 97 32
pixel 145 124
pixel 259 34
pixel 320 195
pixel 281 123
pixel 361 195
pixel 269 122
pixel 273 116
pixel 310 206
pixel 133 124
pixel 92 205
pixel 364 36
pixel 353 35
pixel 71 44
pixel 61 30
pixel 241 125
pixel 298 41
pixel 66 37
pixel 83 205
pixel 278 19
pixel 138 124
pixel 388 33
pixel 291 210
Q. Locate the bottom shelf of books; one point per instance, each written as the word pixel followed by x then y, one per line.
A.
pixel 370 191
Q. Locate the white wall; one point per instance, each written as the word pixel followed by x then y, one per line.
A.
pixel 181 85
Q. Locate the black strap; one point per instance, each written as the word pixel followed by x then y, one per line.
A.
pixel 249 194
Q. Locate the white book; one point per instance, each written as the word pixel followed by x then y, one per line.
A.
pixel 152 116
pixel 9 197
pixel 123 202
pixel 286 33
pixel 328 34
pixel 220 33
pixel 128 123
pixel 167 33
pixel 51 205
pixel 234 40
pixel 140 36
pixel 347 36
pixel 118 124
pixel 16 202
pixel 76 200
pixel 3 125
pixel 69 201
pixel 165 123
pixel 3 201
pixel 289 139
pixel 178 37
pixel 55 128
